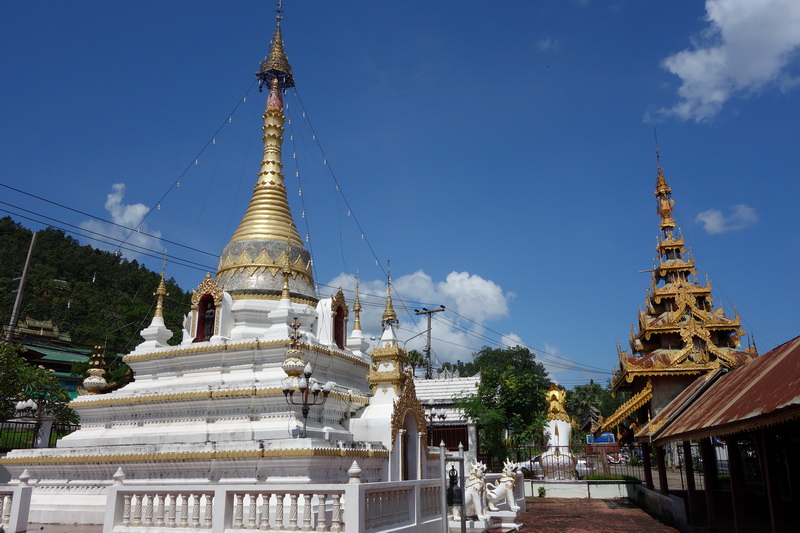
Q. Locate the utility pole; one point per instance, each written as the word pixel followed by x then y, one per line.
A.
pixel 429 312
pixel 18 301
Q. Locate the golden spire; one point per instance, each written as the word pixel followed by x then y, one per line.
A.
pixel 389 317
pixel 357 309
pixel 286 272
pixel 268 216
pixel 251 263
pixel 161 291
pixel 664 195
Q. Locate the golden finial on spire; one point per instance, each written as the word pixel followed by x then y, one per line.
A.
pixel 357 309
pixel 276 65
pixel 664 194
pixel 389 317
pixel 161 291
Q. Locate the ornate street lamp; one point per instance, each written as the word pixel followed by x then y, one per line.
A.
pixel 309 387
pixel 433 414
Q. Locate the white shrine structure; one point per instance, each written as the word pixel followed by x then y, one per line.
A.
pixel 267 415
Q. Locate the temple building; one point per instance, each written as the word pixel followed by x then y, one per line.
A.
pixel 680 333
pixel 266 386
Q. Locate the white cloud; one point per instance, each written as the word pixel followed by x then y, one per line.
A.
pixel 746 47
pixel 128 215
pixel 547 44
pixel 715 222
pixel 453 337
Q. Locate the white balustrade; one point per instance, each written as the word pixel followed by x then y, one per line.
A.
pixel 323 508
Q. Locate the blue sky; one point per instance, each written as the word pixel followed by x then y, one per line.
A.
pixel 501 156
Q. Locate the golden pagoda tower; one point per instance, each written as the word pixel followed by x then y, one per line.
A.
pixel 680 333
pixel 266 241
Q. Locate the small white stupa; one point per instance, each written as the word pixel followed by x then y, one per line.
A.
pixel 558 462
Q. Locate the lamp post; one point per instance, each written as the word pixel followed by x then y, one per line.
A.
pixel 309 387
pixel 30 409
pixel 433 414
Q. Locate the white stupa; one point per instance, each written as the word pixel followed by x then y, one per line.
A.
pixel 214 409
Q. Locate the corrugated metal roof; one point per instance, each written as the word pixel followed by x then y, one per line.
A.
pixel 56 353
pixel 765 391
pixel 443 390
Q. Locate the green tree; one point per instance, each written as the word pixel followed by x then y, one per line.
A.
pixel 21 380
pixel 95 296
pixel 509 406
pixel 415 359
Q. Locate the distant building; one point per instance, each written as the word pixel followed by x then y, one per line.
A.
pixel 449 424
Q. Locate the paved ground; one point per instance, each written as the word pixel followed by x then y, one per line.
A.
pixel 577 515
pixel 544 515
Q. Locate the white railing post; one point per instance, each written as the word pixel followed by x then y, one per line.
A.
pixel 354 507
pixel 293 512
pixel 307 511
pixel 443 486
pixel 336 513
pixel 322 518
pixel 17 506
pixel 265 511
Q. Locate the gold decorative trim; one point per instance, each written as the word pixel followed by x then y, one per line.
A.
pixel 635 402
pixel 408 403
pixel 182 396
pixel 275 297
pixel 197 456
pixel 337 302
pixel 264 262
pixel 244 346
pixel 207 286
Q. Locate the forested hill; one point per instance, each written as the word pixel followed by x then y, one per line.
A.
pixel 90 294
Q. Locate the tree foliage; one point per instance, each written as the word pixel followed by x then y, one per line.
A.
pixel 21 380
pixel 95 296
pixel 509 406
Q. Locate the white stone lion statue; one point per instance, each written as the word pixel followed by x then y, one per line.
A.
pixel 474 493
pixel 504 488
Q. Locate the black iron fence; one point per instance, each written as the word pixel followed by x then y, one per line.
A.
pixel 617 461
pixel 16 434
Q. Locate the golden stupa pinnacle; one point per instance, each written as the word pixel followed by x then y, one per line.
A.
pixel 357 309
pixel 253 262
pixel 664 195
pixel 161 291
pixel 389 317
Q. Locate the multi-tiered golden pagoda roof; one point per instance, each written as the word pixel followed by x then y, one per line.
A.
pixel 679 333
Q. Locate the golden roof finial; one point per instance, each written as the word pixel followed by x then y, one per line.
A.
pixel 161 291
pixel 664 195
pixel 276 65
pixel 389 317
pixel 357 309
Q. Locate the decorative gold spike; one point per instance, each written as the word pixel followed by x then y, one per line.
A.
pixel 389 317
pixel 160 293
pixel 357 309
